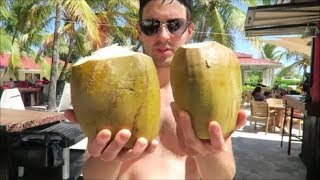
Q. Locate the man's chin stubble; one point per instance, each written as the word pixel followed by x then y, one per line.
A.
pixel 163 65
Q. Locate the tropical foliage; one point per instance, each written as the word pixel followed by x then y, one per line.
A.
pixel 218 20
pixel 70 29
pixel 22 28
pixel 300 62
pixel 271 52
pixel 253 78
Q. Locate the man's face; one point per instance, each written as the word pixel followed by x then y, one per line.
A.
pixel 162 45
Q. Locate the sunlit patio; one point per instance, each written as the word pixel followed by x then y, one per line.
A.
pixel 259 155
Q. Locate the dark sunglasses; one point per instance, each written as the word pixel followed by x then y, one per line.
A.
pixel 176 26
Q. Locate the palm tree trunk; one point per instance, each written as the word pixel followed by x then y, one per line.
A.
pixel 14 36
pixel 66 62
pixel 54 66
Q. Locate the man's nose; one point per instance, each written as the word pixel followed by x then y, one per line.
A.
pixel 164 33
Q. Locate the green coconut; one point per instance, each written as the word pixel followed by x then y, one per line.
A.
pixel 116 88
pixel 206 82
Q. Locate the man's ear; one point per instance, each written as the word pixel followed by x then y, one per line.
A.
pixel 190 31
pixel 138 29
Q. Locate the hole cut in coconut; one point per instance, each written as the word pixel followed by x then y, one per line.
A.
pixel 106 53
pixel 196 45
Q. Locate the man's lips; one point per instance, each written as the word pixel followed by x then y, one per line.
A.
pixel 163 49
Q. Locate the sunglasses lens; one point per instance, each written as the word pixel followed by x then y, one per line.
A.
pixel 149 26
pixel 177 26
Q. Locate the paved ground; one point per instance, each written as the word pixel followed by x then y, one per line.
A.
pixel 259 156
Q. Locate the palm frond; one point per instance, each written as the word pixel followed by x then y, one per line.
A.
pixel 4 11
pixel 14 61
pixel 84 14
pixel 217 24
pixel 288 70
pixel 5 42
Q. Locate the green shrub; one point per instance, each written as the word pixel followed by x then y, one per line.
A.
pixel 247 88
pixel 253 78
pixel 282 82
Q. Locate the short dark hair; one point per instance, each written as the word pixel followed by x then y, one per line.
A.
pixel 257 89
pixel 186 3
pixel 267 93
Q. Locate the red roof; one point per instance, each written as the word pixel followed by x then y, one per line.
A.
pixel 26 62
pixel 246 59
pixel 242 55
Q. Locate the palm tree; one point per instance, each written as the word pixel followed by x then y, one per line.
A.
pixel 82 24
pixel 300 62
pixel 22 23
pixel 116 25
pixel 25 21
pixel 55 58
pixel 76 11
pixel 269 51
pixel 219 20
pixel 117 22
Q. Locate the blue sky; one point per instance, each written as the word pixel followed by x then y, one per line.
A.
pixel 244 46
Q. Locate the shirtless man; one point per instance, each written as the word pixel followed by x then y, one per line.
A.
pixel 176 153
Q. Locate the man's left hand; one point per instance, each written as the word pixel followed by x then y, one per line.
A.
pixel 191 144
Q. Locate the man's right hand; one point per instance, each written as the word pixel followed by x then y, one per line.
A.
pixel 101 148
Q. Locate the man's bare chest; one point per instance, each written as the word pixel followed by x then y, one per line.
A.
pixel 161 164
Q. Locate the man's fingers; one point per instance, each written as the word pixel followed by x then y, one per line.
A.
pixel 70 115
pixel 242 118
pixel 216 136
pixel 152 146
pixel 175 110
pixel 99 143
pixel 113 149
pixel 138 148
pixel 186 127
pixel 189 136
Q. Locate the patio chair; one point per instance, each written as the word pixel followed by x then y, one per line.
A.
pixel 11 99
pixel 260 111
pixel 292 115
pixel 246 98
pixel 65 99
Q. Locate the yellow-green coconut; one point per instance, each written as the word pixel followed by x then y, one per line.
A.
pixel 116 88
pixel 206 82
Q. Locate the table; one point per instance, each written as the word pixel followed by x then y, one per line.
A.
pixel 276 108
pixel 34 90
pixel 17 121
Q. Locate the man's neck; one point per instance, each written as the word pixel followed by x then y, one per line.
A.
pixel 163 76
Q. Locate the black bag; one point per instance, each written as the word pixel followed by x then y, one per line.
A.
pixel 37 149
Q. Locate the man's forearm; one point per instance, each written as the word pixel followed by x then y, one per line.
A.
pixel 97 169
pixel 217 166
